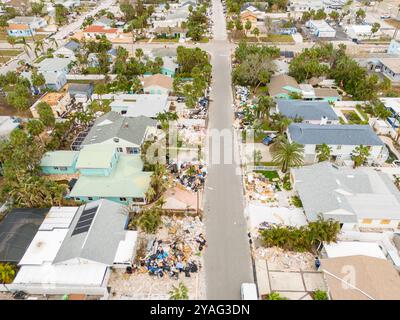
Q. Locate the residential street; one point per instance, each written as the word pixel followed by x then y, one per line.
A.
pixel 227 258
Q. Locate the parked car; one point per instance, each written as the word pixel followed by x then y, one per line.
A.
pixel 269 139
pixel 385 16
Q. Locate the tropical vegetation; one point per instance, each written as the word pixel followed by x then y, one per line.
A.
pixel 303 238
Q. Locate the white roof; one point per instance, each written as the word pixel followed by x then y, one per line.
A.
pixel 44 247
pixel 321 25
pixel 353 248
pixel 58 217
pixel 83 274
pixel 126 248
pixel 277 215
pixel 7 124
pixel 140 106
pixel 48 239
pixel 360 28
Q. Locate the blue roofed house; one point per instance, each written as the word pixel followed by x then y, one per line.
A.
pixel 315 112
pixel 342 139
pixel 59 162
pixel 68 50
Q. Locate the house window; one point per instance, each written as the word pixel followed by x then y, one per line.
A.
pixel 385 221
pixel 78 199
pixel 122 199
pixel 55 168
pixel 367 221
pixel 339 147
pixel 141 200
pixel 120 150
pixel 90 198
pixel 63 168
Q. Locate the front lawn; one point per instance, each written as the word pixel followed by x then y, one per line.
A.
pixel 270 175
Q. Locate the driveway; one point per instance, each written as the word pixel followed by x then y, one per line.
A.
pixel 227 258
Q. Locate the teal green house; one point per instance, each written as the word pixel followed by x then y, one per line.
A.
pixel 103 172
pixel 107 174
pixel 59 162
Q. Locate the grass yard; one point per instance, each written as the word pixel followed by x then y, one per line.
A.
pixel 162 40
pixel 277 38
pixel 3 37
pixel 10 53
pixel 269 174
pixel 352 117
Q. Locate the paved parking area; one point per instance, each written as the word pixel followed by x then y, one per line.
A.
pixel 294 281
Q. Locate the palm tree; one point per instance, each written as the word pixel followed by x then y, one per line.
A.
pixel 26 46
pixel 7 273
pixel 283 123
pixel 287 154
pixel 179 293
pixel 139 54
pixel 360 155
pixel 265 103
pixel 323 152
pixel 38 47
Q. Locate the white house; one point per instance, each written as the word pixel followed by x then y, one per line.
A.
pixel 394 47
pixel 361 32
pixel 321 29
pixel 391 68
pixel 357 198
pixel 304 5
pixel 342 139
pixel 74 248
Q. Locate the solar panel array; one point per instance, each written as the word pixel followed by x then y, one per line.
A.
pixel 85 221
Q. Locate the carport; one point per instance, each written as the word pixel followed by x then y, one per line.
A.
pixel 17 231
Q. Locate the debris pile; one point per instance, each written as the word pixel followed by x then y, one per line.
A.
pixel 175 251
pixel 260 188
pixel 190 175
pixel 279 259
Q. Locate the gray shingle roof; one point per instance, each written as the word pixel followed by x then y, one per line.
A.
pixel 307 110
pixel 100 242
pixel 72 45
pixel 352 135
pixel 346 194
pixel 113 125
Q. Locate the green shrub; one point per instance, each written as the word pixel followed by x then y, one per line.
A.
pixel 297 202
pixel 320 295
pixel 150 220
pixel 301 238
pixel 275 296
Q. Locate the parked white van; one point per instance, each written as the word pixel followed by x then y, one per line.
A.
pixel 248 291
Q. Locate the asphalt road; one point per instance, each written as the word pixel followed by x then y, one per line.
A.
pixel 227 257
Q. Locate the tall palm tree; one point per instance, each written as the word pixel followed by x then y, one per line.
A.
pixel 265 103
pixel 287 154
pixel 323 152
pixel 26 46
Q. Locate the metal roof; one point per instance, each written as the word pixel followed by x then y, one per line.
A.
pixel 307 110
pixel 352 135
pixel 100 242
